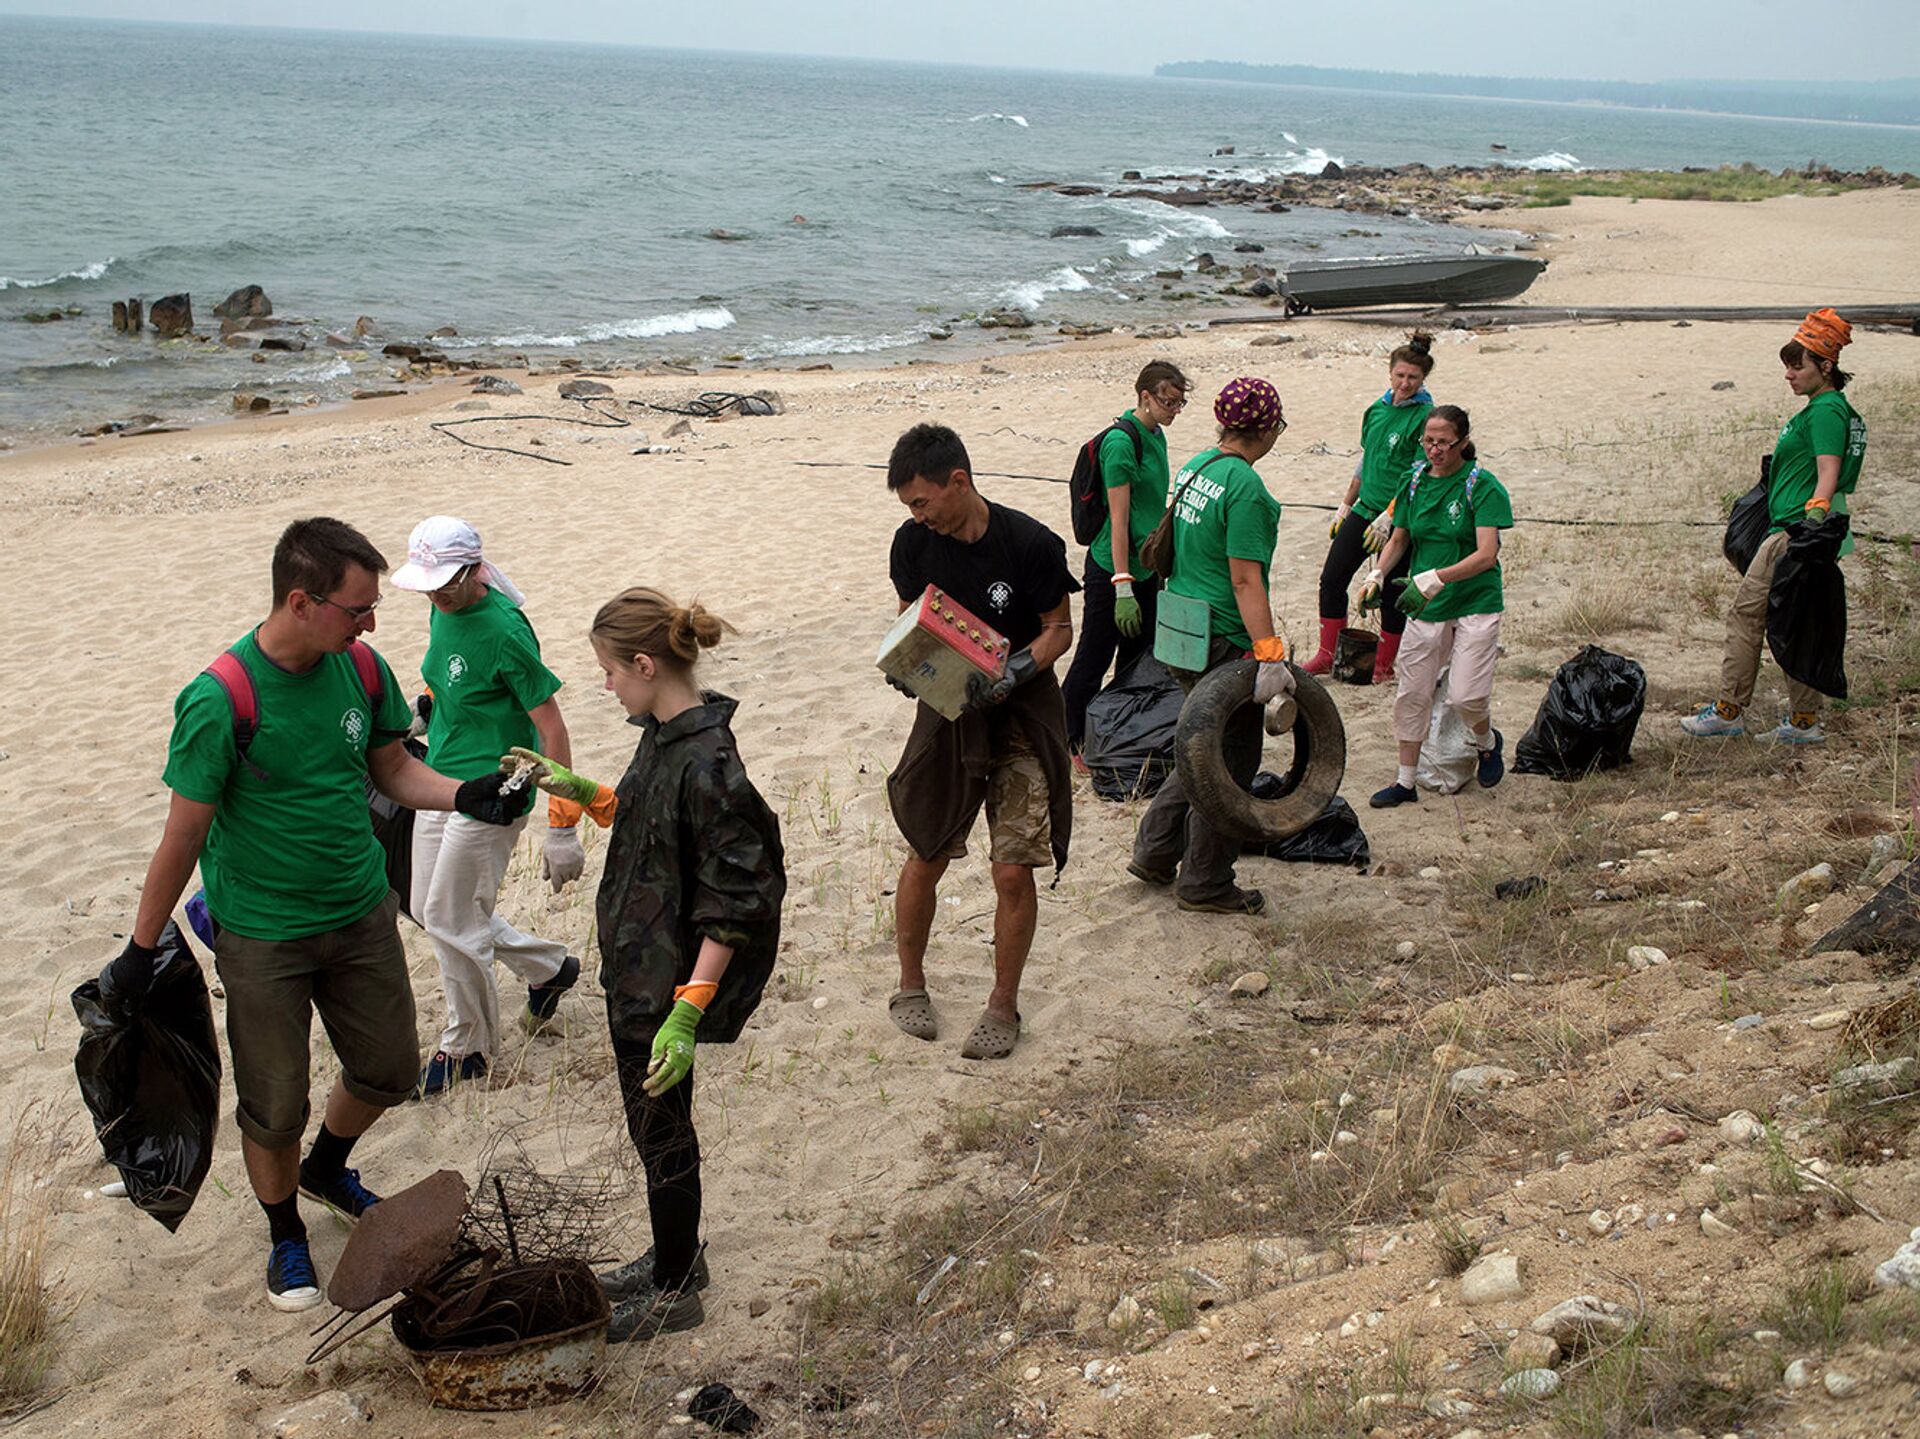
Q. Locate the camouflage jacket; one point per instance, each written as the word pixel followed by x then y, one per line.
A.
pixel 694 852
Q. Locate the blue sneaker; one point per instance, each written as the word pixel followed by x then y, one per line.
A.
pixel 1394 794
pixel 345 1195
pixel 443 1071
pixel 1492 767
pixel 291 1283
pixel 1711 724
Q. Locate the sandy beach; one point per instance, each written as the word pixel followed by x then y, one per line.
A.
pixel 128 563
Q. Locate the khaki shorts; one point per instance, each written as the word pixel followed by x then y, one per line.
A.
pixel 1019 815
pixel 356 976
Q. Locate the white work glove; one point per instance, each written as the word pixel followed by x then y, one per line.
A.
pixel 1429 583
pixel 1339 519
pixel 1370 590
pixel 561 857
pixel 1379 532
pixel 1273 681
pixel 1280 714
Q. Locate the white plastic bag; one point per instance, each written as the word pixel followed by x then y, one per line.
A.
pixel 1449 757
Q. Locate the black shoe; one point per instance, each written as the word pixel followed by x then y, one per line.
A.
pixel 1394 794
pixel 443 1071
pixel 344 1194
pixel 1149 876
pixel 1234 901
pixel 630 1278
pixel 653 1312
pixel 544 999
pixel 1492 767
pixel 291 1283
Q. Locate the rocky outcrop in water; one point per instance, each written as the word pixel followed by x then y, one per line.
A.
pixel 247 301
pixel 172 315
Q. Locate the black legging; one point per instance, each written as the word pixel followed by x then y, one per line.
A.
pixel 1344 557
pixel 1100 642
pixel 662 1130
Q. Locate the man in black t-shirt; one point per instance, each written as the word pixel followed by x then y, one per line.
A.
pixel 1008 752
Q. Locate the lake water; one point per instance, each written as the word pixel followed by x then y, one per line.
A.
pixel 557 199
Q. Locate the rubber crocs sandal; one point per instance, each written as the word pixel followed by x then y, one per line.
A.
pixel 992 1038
pixel 912 1013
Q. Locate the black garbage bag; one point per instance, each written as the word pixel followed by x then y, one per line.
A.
pixel 1749 522
pixel 1334 838
pixel 1587 720
pixel 152 1083
pixel 1807 607
pixel 1130 727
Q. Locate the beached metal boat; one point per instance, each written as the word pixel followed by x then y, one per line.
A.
pixel 1407 280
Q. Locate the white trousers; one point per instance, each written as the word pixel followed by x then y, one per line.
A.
pixel 1470 644
pixel 458 866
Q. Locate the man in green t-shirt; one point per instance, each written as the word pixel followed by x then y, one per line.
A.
pixel 491 693
pixel 1117 607
pixel 296 883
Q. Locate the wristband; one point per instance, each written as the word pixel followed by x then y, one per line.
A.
pixel 698 994
pixel 1122 575
pixel 1270 650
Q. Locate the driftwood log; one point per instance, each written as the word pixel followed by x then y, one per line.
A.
pixel 1888 921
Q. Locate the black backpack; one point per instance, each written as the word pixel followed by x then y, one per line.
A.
pixel 1088 488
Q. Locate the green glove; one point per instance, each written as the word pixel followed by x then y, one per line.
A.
pixel 551 776
pixel 673 1048
pixel 1411 600
pixel 1126 613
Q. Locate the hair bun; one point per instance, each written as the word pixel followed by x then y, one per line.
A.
pixel 1421 341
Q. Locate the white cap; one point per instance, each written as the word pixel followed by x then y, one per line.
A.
pixel 439 548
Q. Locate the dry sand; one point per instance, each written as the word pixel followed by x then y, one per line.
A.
pixel 128 564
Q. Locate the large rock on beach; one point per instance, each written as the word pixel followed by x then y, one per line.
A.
pixel 171 315
pixel 583 389
pixel 248 300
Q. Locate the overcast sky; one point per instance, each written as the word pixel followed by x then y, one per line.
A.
pixel 1611 40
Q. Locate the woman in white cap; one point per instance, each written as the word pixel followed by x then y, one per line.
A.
pixel 490 692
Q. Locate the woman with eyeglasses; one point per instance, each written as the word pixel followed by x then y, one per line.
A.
pixel 1390 433
pixel 491 691
pixel 1449 511
pixel 1225 524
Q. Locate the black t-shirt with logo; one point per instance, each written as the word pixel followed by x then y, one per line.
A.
pixel 1009 577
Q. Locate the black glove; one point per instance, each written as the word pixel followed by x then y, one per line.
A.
pixel 983 693
pixel 900 685
pixel 126 980
pixel 484 799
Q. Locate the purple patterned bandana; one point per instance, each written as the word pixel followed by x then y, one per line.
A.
pixel 1248 404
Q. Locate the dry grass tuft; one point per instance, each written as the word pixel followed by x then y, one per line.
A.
pixel 31 1309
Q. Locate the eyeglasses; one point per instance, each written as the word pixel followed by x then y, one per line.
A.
pixel 354 612
pixel 1175 402
pixel 1430 443
pixel 1280 427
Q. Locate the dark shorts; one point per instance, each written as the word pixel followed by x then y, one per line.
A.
pixel 1018 805
pixel 356 976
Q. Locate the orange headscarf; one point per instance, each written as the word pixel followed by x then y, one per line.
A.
pixel 1824 333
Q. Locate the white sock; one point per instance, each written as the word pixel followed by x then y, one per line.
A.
pixel 1483 742
pixel 1404 778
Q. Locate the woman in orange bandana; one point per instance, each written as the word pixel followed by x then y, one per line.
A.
pixel 1815 466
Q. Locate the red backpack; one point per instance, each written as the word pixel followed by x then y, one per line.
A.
pixel 236 681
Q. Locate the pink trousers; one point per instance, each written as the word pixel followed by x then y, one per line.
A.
pixel 1470 644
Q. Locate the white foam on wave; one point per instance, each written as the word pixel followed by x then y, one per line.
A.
pixel 840 344
pixel 1554 160
pixel 1170 222
pixel 85 272
pixel 1029 294
pixel 996 179
pixel 653 327
pixel 1291 139
pixel 1310 161
pixel 1020 120
pixel 334 369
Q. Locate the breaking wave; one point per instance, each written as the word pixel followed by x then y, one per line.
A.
pixel 1020 120
pixel 653 327
pixel 86 272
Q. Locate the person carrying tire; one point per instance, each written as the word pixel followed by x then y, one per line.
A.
pixel 491 691
pixel 1225 525
pixel 1816 465
pixel 1449 513
pixel 1117 606
pixel 1390 433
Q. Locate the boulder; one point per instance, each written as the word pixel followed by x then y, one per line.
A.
pixel 1531 1384
pixel 1331 170
pixel 495 385
pixel 247 301
pixel 172 315
pixel 399 350
pixel 1479 1078
pixel 583 389
pixel 365 326
pixel 1807 886
pixel 283 342
pixel 445 332
pixel 120 315
pixel 1069 232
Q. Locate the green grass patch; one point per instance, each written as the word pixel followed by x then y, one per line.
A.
pixel 1730 182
